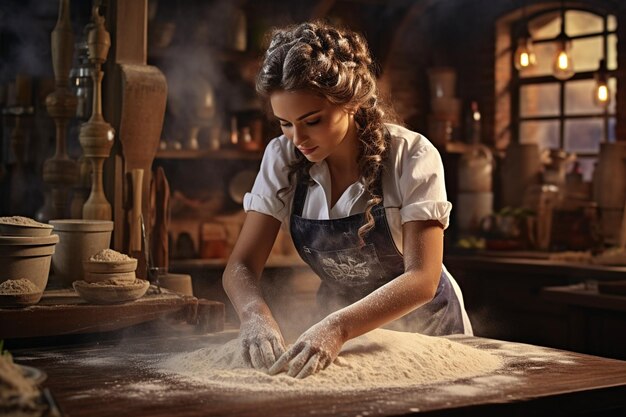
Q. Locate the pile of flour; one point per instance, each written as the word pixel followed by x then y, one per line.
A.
pixel 18 286
pixel 21 221
pixel 376 360
pixel 110 255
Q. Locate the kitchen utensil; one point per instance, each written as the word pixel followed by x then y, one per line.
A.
pixel 143 97
pixel 96 135
pixel 134 216
pixel 60 172
pixel 160 205
pixel 145 262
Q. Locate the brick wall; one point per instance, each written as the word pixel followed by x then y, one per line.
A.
pixel 473 37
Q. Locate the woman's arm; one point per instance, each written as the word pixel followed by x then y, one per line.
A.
pixel 423 257
pixel 259 333
pixel 320 345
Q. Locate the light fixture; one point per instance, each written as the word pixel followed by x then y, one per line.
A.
pixel 525 53
pixel 601 92
pixel 563 67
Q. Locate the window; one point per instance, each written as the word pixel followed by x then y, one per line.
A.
pixel 559 114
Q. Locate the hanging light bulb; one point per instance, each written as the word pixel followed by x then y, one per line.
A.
pixel 563 67
pixel 525 53
pixel 601 92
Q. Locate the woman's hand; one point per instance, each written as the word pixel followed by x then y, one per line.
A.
pixel 314 350
pixel 261 340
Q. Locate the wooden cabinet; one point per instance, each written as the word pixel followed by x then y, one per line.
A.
pixel 506 299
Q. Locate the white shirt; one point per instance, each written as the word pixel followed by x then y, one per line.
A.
pixel 413 185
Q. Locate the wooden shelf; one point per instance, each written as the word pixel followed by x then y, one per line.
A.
pixel 230 154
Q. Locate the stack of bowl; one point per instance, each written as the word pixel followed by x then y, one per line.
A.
pixel 98 269
pixel 110 278
pixel 26 248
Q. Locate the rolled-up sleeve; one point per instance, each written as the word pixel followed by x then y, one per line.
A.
pixel 272 177
pixel 422 185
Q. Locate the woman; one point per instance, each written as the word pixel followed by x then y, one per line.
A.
pixel 364 202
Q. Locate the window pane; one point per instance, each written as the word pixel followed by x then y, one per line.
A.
pixel 539 100
pixel 612 92
pixel 544 53
pixel 579 98
pixel 612 23
pixel 584 135
pixel 611 132
pixel 578 22
pixel 586 53
pixel 545 133
pixel 611 60
pixel 545 26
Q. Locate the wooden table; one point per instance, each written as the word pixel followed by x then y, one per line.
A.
pixel 108 380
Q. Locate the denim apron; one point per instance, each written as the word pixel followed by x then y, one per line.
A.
pixel 350 271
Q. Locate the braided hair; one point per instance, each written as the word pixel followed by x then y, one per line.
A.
pixel 335 63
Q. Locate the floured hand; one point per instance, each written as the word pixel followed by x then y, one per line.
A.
pixel 261 340
pixel 314 350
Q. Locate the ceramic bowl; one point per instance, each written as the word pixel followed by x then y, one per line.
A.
pixel 110 267
pixel 13 229
pixel 111 294
pixel 27 257
pixel 95 277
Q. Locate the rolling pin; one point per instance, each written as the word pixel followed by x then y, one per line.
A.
pixel 160 206
pixel 134 214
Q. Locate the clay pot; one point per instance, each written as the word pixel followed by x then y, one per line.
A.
pixel 79 240
pixel 521 169
pixel 27 257
pixel 609 188
pixel 475 167
pixel 180 283
pixel 442 82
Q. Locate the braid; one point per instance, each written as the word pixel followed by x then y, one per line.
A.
pixel 337 64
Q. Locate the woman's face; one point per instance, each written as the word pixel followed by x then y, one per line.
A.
pixel 316 127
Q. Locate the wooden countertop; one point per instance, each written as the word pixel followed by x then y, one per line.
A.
pixel 107 380
pixel 531 263
pixel 582 296
pixel 63 312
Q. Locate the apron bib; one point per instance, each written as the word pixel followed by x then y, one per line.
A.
pixel 350 271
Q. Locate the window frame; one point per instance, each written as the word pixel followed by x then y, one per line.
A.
pixel 518 82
